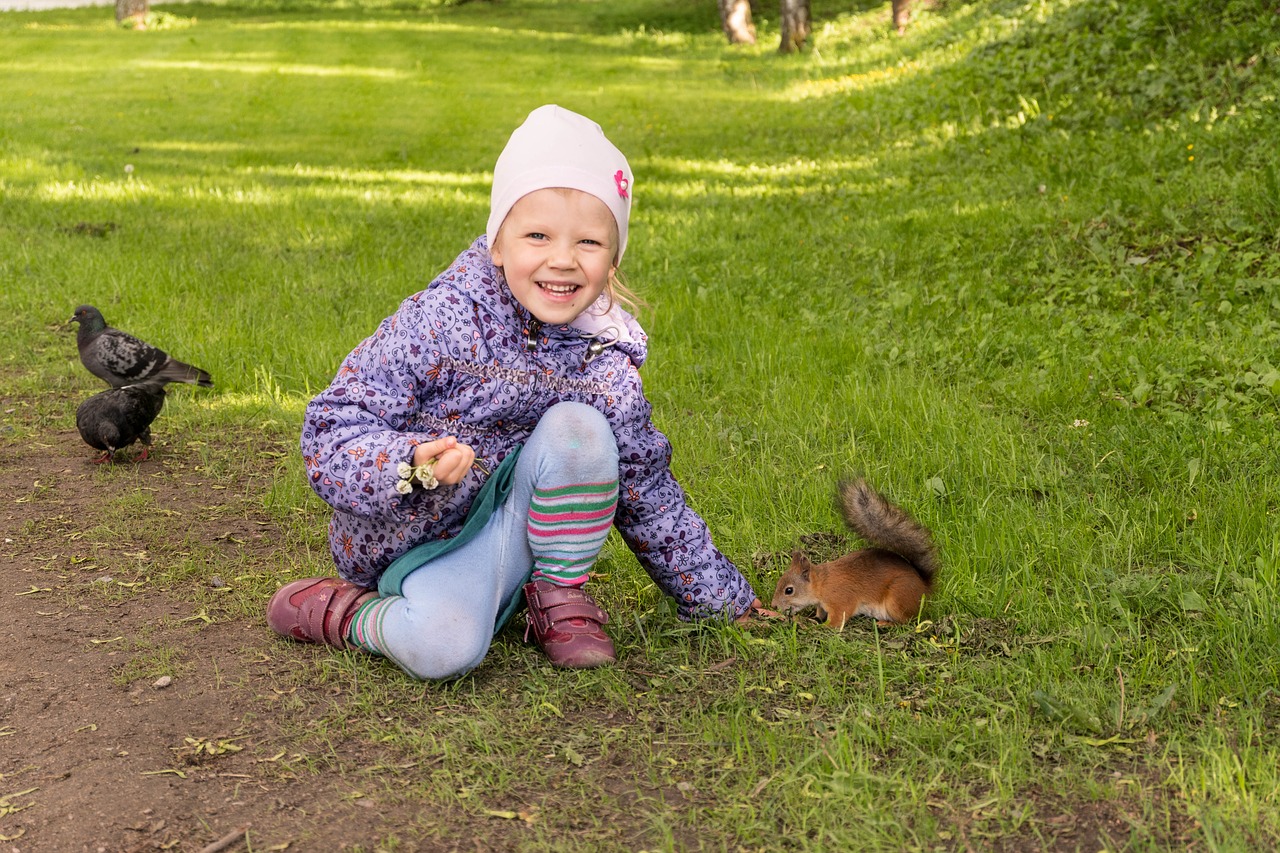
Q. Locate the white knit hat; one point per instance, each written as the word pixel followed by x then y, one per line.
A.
pixel 559 148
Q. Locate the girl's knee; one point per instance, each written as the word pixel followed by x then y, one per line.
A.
pixel 581 429
pixel 443 656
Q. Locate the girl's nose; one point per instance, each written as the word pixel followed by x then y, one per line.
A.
pixel 562 256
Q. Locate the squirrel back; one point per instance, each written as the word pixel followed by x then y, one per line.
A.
pixel 886 582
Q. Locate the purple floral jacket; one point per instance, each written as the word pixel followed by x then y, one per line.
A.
pixel 456 359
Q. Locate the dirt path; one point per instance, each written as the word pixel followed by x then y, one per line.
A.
pixel 95 755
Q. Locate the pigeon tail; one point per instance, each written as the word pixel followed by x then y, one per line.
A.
pixel 179 371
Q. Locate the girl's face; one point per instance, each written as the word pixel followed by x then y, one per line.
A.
pixel 556 248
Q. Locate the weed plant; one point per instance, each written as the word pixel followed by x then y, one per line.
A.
pixel 1019 267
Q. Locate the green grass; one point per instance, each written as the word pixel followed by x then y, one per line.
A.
pixel 1020 266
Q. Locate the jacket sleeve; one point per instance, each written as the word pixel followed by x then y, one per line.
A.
pixel 671 541
pixel 353 434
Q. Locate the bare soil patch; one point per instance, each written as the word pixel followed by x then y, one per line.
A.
pixel 95 754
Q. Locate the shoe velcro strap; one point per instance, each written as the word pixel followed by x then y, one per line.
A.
pixel 576 611
pixel 343 601
pixel 313 611
pixel 561 616
pixel 581 626
pixel 554 596
pixel 322 613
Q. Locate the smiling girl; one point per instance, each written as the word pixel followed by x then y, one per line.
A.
pixel 477 448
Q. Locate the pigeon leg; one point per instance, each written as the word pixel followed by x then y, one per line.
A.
pixel 146 445
pixel 105 457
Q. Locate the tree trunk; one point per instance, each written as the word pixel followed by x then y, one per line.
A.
pixel 901 15
pixel 735 17
pixel 795 25
pixel 132 12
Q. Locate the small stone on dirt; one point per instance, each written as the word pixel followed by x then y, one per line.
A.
pixel 162 682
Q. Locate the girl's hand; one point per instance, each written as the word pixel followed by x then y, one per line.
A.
pixel 453 459
pixel 757 610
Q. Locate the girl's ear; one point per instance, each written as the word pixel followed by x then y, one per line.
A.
pixel 496 254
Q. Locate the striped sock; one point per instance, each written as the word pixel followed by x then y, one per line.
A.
pixel 366 626
pixel 567 529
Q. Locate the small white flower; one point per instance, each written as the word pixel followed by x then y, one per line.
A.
pixel 411 475
pixel 128 168
pixel 1079 422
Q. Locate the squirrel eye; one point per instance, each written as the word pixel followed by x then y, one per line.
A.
pixel 788 591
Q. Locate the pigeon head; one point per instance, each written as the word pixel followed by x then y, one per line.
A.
pixel 89 318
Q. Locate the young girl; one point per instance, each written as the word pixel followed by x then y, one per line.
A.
pixel 477 448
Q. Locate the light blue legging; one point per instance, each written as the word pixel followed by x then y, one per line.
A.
pixel 443 622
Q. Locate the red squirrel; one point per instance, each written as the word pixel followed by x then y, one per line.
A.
pixel 885 582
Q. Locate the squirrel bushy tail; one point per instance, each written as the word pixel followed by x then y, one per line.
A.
pixel 887 526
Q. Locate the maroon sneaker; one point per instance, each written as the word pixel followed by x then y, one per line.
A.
pixel 567 623
pixel 316 610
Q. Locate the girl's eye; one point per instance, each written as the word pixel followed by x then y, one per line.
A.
pixel 537 235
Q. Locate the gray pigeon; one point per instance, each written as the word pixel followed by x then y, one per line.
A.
pixel 117 417
pixel 120 359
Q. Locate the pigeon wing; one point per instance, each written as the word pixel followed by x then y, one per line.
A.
pixel 145 403
pixel 96 427
pixel 121 359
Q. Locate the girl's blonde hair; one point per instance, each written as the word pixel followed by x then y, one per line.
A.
pixel 620 294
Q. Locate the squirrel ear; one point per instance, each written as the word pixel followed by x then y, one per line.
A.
pixel 801 562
